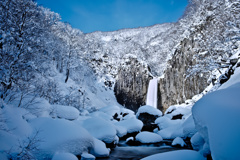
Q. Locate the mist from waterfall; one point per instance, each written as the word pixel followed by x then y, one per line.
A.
pixel 152 93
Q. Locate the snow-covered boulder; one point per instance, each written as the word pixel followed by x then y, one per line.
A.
pixel 197 142
pixel 148 137
pixel 64 156
pixel 169 129
pixel 177 122
pixel 66 112
pixel 150 110
pixel 87 156
pixel 217 118
pixel 99 149
pixel 60 135
pixel 177 155
pixel 100 128
pixel 121 131
pixel 132 125
pixel 178 142
pixel 148 114
pixel 118 113
pixel 100 114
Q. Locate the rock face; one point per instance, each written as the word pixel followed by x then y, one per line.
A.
pixel 131 83
pixel 177 86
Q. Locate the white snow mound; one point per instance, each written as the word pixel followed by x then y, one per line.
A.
pixel 148 137
pixel 176 155
pixel 60 135
pixel 64 156
pixel 217 118
pixel 178 141
pixel 100 129
pixel 132 125
pixel 150 110
pixel 67 112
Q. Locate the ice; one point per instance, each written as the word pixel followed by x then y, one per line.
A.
pixel 148 137
pixel 178 141
pixel 64 156
pixel 152 93
pixel 60 135
pixel 132 125
pixel 67 112
pixel 101 129
pixel 149 109
pixel 176 155
pixel 217 118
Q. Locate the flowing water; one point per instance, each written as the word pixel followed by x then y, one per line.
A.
pixel 125 152
pixel 152 93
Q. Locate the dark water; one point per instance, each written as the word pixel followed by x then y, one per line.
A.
pixel 125 152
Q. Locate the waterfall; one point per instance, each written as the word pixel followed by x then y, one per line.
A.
pixel 152 93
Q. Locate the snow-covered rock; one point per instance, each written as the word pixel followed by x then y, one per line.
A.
pixel 87 156
pixel 100 114
pixel 178 142
pixel 132 125
pixel 121 130
pixel 148 137
pixel 100 128
pixel 60 135
pixel 150 110
pixel 99 149
pixel 197 142
pixel 177 155
pixel 67 112
pixel 64 156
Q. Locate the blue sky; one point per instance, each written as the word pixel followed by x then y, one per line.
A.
pixel 110 15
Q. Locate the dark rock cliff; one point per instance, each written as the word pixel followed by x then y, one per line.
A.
pixel 132 83
pixel 177 86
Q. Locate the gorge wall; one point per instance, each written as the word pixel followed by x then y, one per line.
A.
pixel 184 53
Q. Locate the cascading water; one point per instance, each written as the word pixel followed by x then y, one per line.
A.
pixel 152 93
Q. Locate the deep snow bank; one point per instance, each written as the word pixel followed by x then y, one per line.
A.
pixel 217 118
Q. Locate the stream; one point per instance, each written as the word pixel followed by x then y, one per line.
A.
pixel 126 152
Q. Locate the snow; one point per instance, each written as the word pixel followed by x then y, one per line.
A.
pixel 67 112
pixel 15 121
pixel 100 129
pixel 110 110
pixel 99 149
pixel 148 109
pixel 179 155
pixel 216 116
pixel 132 125
pixel 87 156
pixel 233 80
pixel 148 137
pixel 184 127
pixel 178 141
pixel 121 131
pixel 106 38
pixel 64 156
pixel 60 135
pixel 152 93
pixel 189 128
pixel 102 115
pixel 197 141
